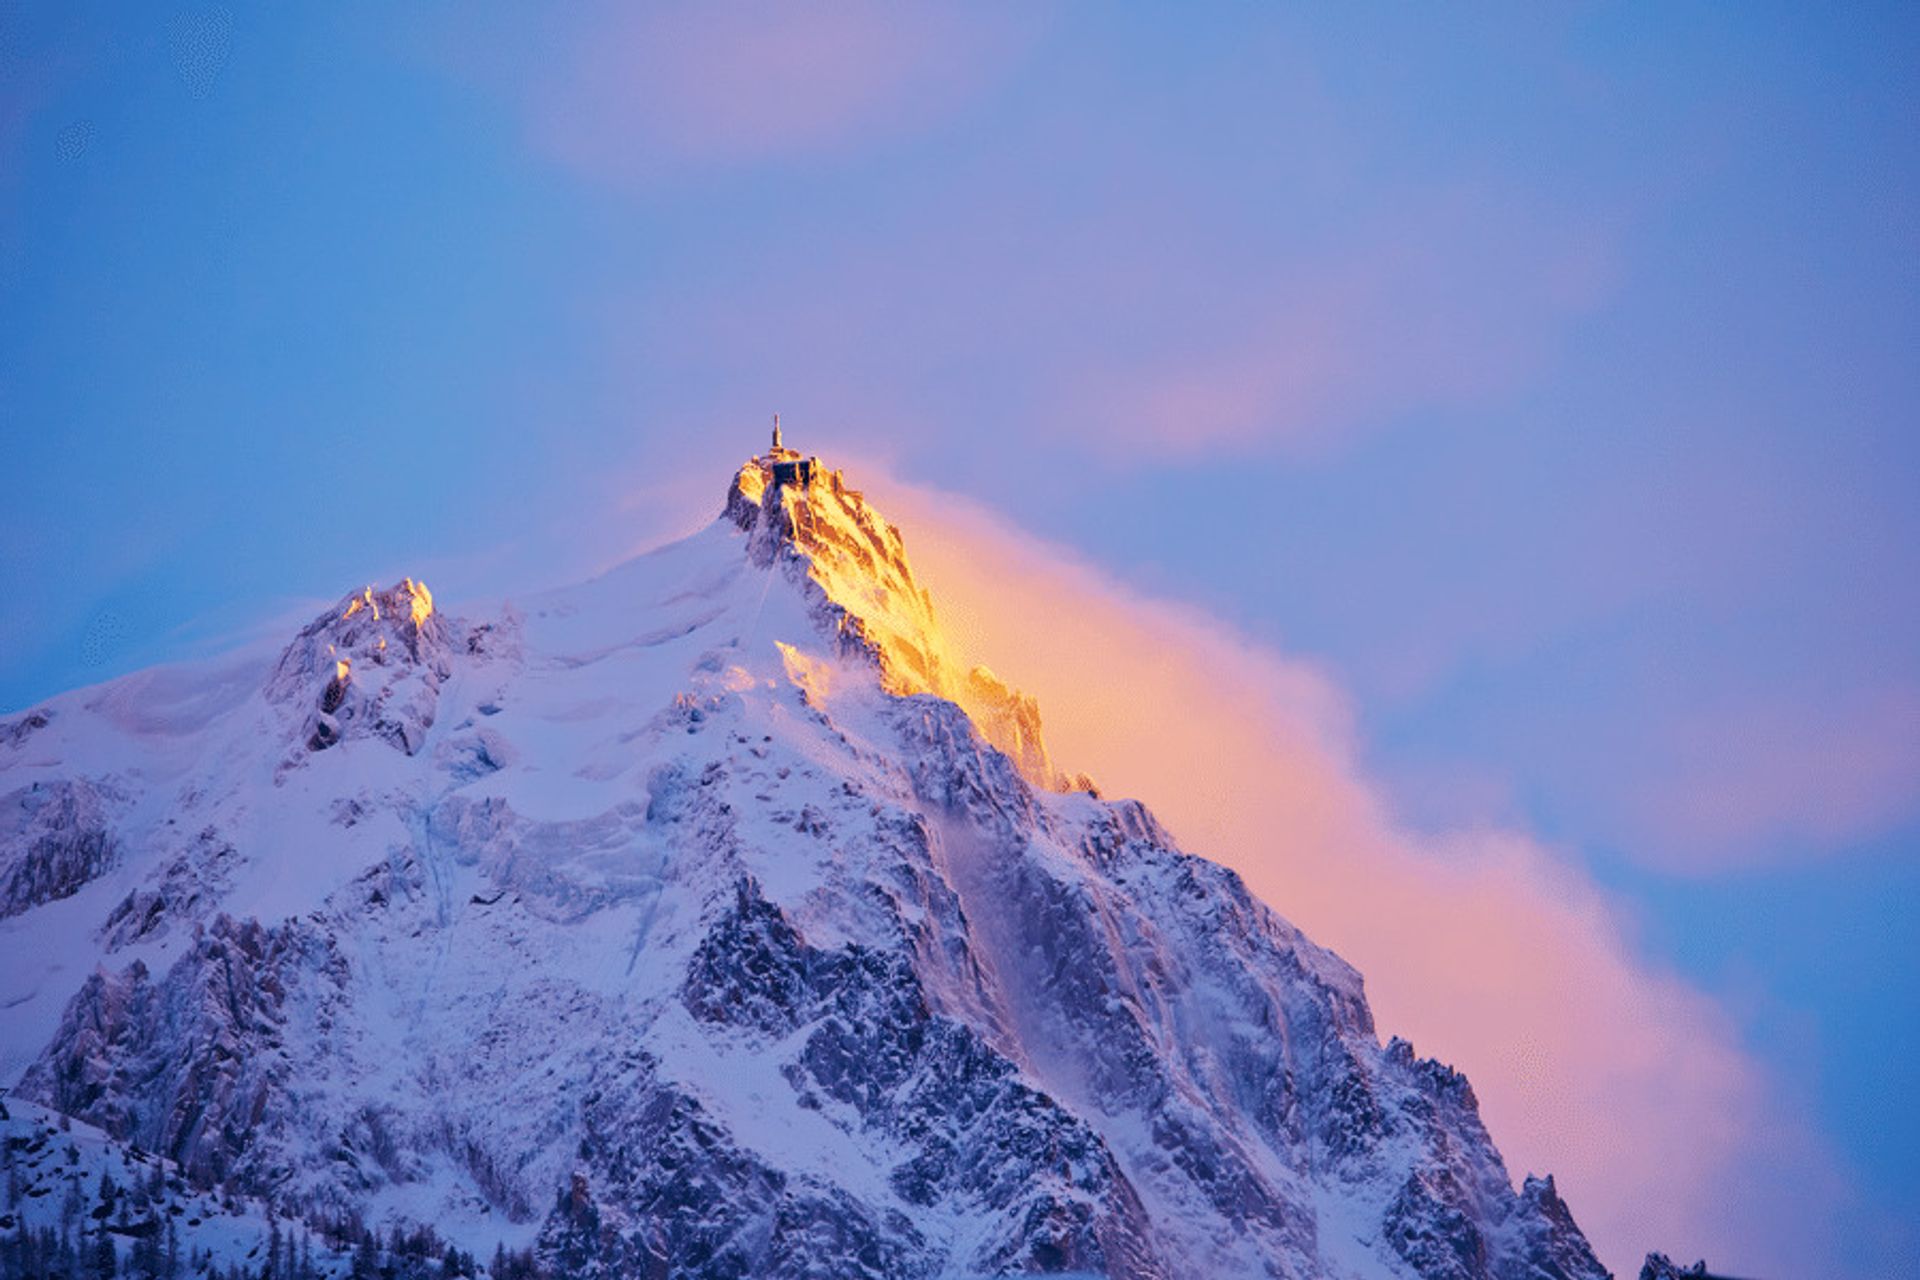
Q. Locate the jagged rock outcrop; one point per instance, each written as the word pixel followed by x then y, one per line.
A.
pixel 673 1195
pixel 55 837
pixel 18 731
pixel 1046 1192
pixel 183 890
pixel 193 1064
pixel 371 666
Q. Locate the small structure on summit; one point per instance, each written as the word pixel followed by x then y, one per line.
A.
pixel 787 465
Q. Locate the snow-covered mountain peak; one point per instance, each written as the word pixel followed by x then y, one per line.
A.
pixel 704 919
pixel 805 519
pixel 372 664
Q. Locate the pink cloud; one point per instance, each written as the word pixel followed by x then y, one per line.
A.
pixel 627 93
pixel 1483 947
pixel 1151 325
pixel 1110 293
pixel 1806 773
pixel 1450 303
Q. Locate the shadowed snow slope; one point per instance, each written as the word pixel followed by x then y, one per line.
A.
pixel 705 919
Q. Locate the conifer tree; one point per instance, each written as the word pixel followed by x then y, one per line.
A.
pixel 106 1260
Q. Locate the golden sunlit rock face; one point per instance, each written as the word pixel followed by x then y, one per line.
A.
pixel 806 518
pixel 405 597
pixel 373 663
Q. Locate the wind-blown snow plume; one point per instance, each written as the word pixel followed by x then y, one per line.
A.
pixel 1481 946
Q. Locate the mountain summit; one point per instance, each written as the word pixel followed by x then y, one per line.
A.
pixel 805 519
pixel 706 919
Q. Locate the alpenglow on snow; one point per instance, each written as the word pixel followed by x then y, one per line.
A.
pixel 705 919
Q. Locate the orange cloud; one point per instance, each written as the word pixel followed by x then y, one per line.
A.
pixel 1482 947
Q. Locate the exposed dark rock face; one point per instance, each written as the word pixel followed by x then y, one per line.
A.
pixel 193 1064
pixel 1659 1267
pixel 672 1194
pixel 881 1061
pixel 55 837
pixel 1552 1244
pixel 17 731
pixel 187 886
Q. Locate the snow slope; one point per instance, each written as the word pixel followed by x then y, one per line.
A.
pixel 704 919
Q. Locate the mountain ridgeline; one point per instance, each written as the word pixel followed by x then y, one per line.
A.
pixel 706 919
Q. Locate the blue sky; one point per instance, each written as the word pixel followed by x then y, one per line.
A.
pixel 1547 376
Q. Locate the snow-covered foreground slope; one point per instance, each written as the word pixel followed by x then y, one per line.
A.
pixel 703 920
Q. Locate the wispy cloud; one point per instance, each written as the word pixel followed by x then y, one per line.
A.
pixel 632 94
pixel 1777 775
pixel 1149 330
pixel 1065 281
pixel 1451 303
